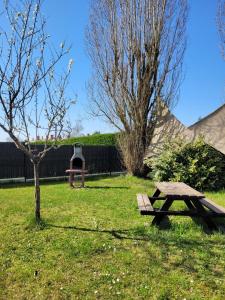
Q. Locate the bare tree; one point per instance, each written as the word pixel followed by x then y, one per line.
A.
pixel 221 25
pixel 77 129
pixel 136 48
pixel 32 93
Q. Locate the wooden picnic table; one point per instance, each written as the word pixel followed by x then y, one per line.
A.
pixel 197 204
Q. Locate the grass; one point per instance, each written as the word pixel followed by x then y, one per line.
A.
pixel 93 244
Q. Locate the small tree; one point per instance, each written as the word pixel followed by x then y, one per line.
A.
pixel 32 94
pixel 136 48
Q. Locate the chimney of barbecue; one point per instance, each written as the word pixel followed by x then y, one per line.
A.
pixel 77 161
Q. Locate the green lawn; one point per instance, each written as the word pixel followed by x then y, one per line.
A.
pixel 95 245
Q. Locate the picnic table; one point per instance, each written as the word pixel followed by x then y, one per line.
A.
pixel 197 204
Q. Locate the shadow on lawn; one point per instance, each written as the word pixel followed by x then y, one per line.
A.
pixel 57 181
pixel 137 234
pixel 107 187
pixel 165 224
pixel 191 252
pixel 119 234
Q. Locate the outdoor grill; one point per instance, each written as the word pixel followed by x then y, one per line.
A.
pixel 77 161
pixel 77 165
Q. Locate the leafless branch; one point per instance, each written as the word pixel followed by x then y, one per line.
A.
pixel 136 48
pixel 32 95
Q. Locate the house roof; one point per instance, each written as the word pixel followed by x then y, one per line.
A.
pixel 211 127
pixel 212 114
pixel 168 127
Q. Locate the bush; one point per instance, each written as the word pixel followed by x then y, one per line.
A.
pixel 107 139
pixel 196 163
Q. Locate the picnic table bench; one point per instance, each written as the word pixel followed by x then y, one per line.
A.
pixel 195 201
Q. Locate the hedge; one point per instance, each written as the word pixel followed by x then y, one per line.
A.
pixel 105 139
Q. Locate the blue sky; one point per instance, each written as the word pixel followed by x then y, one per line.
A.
pixel 203 88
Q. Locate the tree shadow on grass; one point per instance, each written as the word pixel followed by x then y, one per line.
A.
pixel 165 244
pixel 119 234
pixel 137 234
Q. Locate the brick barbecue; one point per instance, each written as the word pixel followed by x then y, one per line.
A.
pixel 77 165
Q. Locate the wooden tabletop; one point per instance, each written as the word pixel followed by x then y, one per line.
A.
pixel 76 171
pixel 178 190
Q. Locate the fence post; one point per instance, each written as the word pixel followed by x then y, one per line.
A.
pixel 24 168
pixel 110 159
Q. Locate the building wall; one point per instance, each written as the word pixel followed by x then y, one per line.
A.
pixel 212 128
pixel 167 128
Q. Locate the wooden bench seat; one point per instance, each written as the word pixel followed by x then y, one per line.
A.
pixel 219 210
pixel 197 204
pixel 144 204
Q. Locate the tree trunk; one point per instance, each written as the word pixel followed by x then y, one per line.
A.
pixel 37 193
pixel 133 153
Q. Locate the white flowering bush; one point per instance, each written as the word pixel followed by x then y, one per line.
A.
pixel 195 163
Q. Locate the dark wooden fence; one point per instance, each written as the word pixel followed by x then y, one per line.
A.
pixel 99 159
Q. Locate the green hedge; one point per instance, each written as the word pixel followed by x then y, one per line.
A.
pixel 106 139
pixel 196 163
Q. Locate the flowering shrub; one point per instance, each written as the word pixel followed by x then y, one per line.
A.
pixel 196 163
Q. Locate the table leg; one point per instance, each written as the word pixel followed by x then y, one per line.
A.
pixel 71 180
pixel 202 212
pixel 156 194
pixel 165 207
pixel 82 180
pixel 189 204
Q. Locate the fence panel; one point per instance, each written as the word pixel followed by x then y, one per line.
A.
pixel 54 163
pixel 12 161
pixel 99 159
